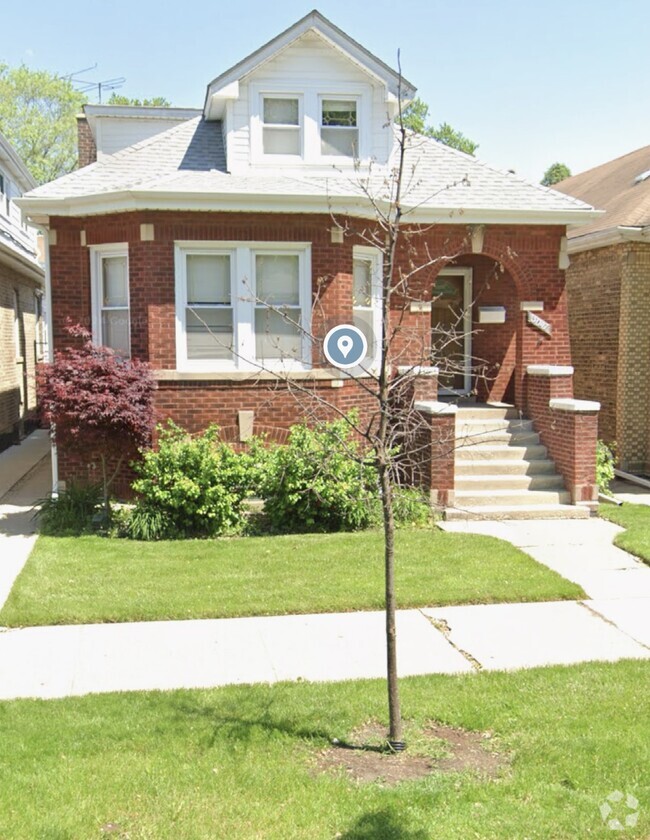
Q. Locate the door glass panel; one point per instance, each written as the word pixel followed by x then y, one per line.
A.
pixel 448 331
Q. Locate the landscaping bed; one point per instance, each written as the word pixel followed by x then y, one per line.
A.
pixel 89 579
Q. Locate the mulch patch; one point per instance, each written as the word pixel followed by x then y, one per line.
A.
pixel 364 758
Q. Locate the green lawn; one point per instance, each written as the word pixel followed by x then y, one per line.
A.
pixel 636 520
pixel 239 762
pixel 89 579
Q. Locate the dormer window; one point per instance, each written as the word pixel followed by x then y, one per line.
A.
pixel 339 131
pixel 281 126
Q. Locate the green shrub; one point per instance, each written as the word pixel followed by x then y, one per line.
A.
pixel 190 486
pixel 411 507
pixel 604 465
pixel 319 481
pixel 71 512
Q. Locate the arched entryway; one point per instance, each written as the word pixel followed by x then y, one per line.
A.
pixel 475 319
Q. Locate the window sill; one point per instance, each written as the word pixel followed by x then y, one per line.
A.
pixel 317 374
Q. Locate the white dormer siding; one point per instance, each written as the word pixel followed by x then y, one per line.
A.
pixel 312 75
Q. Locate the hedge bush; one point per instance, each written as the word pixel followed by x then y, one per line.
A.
pixel 319 481
pixel 190 486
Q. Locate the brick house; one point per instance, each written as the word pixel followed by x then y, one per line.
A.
pixel 222 249
pixel 608 284
pixel 21 303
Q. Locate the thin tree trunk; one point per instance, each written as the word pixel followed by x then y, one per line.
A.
pixel 394 710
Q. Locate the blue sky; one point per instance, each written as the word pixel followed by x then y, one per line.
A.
pixel 531 82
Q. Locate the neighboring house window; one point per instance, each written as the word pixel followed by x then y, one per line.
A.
pixel 3 191
pixel 339 132
pixel 281 126
pixel 110 292
pixel 242 306
pixel 366 300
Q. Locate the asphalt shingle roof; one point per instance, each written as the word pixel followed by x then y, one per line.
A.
pixel 614 187
pixel 190 159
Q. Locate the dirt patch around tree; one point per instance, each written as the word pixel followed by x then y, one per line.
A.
pixel 435 748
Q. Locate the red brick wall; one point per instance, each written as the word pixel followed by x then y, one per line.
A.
pixel 569 437
pixel 519 263
pixel 594 293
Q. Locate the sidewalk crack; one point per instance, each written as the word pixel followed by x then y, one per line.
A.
pixel 443 627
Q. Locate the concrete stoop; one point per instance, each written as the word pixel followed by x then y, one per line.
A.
pixel 503 471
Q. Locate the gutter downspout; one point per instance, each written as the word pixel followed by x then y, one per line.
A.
pixel 50 345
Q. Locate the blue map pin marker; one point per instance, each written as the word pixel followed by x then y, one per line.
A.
pixel 345 346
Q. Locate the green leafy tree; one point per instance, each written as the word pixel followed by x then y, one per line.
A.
pixel 38 116
pixel 415 118
pixel 556 173
pixel 154 102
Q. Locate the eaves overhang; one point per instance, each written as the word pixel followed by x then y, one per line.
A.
pixel 610 236
pixel 354 205
pixel 22 263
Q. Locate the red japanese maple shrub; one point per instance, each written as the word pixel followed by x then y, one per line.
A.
pixel 99 404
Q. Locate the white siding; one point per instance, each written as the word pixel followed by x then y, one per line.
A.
pixel 114 134
pixel 308 68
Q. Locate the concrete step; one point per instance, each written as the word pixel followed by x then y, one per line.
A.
pixel 486 483
pixel 504 466
pixel 477 427
pixel 516 512
pixel 500 451
pixel 515 438
pixel 478 412
pixel 479 498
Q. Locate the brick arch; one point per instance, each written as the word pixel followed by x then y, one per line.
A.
pixel 496 349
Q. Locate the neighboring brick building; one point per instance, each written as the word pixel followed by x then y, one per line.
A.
pixel 21 303
pixel 608 283
pixel 222 249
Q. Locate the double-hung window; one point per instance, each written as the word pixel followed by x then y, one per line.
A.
pixel 366 300
pixel 209 309
pixel 242 306
pixel 281 132
pixel 109 271
pixel 339 128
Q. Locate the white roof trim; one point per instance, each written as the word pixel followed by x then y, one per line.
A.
pixel 325 29
pixel 610 236
pixel 128 200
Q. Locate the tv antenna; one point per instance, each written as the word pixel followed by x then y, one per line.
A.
pixel 85 85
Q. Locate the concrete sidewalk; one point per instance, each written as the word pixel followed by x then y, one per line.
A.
pixel 25 477
pixel 613 624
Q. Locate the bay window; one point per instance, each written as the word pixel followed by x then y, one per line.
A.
pixel 242 306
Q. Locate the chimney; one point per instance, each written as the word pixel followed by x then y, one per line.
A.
pixel 86 148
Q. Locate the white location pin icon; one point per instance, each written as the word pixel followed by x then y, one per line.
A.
pixel 345 343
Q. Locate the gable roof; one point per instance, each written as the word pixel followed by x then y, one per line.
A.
pixel 185 168
pixel 314 22
pixel 619 188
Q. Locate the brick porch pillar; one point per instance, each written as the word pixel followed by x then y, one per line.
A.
pixel 567 427
pixel 434 449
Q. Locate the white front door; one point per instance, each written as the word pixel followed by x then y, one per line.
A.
pixel 451 330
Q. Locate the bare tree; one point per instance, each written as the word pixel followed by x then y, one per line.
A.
pixel 393 429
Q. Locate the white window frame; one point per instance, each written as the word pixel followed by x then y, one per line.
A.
pixel 97 255
pixel 242 262
pixel 375 257
pixel 310 99
pixel 300 128
pixel 340 97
